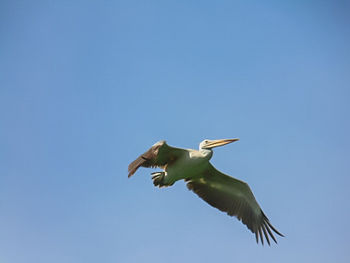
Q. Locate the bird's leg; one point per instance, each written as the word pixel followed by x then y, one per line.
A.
pixel 159 179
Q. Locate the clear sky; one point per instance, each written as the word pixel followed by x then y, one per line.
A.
pixel 85 87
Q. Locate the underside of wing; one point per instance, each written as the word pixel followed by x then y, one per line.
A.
pixel 159 155
pixel 235 198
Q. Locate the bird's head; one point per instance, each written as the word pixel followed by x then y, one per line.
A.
pixel 209 144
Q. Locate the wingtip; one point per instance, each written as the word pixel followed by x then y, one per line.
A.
pixel 274 229
pixel 130 173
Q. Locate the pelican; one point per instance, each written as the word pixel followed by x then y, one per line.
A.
pixel 226 193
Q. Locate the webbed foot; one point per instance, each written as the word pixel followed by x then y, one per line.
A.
pixel 159 179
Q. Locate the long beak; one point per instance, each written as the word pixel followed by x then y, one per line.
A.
pixel 216 143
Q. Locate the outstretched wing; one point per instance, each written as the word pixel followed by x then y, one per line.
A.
pixel 235 198
pixel 159 155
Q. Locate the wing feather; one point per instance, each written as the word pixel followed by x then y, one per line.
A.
pixel 159 155
pixel 234 197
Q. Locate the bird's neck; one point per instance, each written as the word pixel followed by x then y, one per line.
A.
pixel 207 153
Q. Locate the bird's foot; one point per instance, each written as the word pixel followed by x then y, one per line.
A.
pixel 159 179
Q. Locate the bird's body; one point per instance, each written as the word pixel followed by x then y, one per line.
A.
pixel 219 190
pixel 177 163
pixel 189 165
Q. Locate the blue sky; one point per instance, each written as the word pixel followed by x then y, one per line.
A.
pixel 85 87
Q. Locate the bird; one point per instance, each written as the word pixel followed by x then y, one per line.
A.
pixel 221 191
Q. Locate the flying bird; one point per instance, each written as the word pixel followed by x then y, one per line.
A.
pixel 226 193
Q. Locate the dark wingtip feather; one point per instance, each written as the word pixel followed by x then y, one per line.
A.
pixel 266 235
pixel 274 229
pixel 271 226
pixel 261 236
pixel 268 230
